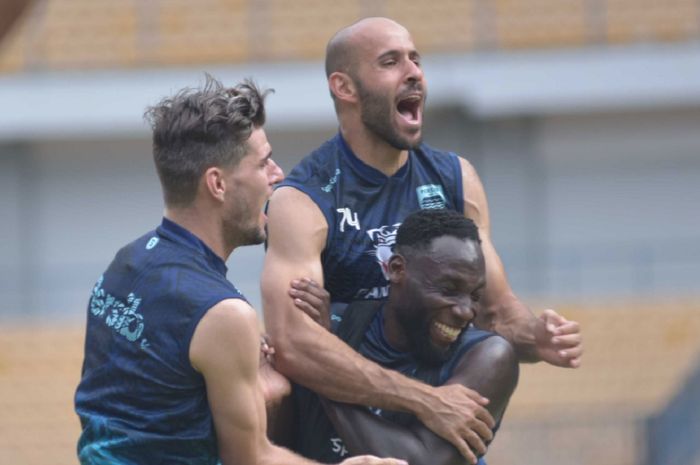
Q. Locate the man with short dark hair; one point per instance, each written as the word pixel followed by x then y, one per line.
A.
pixel 172 347
pixel 422 329
pixel 335 219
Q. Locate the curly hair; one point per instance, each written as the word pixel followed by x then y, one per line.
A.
pixel 199 128
pixel 418 230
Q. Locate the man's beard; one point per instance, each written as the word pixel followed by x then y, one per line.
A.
pixel 376 116
pixel 418 334
pixel 236 233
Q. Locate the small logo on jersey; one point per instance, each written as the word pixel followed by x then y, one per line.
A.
pixel 383 239
pixel 151 243
pixel 331 182
pixel 349 218
pixel 430 196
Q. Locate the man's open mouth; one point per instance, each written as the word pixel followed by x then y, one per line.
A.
pixel 410 107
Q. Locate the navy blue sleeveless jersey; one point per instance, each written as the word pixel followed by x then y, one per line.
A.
pixel 364 208
pixel 316 437
pixel 139 399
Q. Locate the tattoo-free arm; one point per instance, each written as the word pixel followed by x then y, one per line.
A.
pixel 490 367
pixel 550 337
pixel 225 348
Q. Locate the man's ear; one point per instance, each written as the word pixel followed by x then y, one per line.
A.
pixel 214 183
pixel 342 86
pixel 396 268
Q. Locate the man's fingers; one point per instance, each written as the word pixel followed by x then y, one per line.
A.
pixel 308 297
pixel 476 397
pixel 572 353
pixel 305 307
pixel 464 449
pixel 476 443
pixel 484 424
pixel 568 327
pixel 567 341
pixel 552 319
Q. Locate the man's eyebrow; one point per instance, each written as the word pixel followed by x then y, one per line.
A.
pixel 388 54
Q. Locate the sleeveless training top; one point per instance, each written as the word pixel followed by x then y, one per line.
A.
pixel 364 208
pixel 361 325
pixel 140 400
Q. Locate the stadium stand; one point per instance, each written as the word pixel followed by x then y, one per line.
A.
pixel 86 34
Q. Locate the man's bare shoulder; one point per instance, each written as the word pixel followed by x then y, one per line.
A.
pixel 468 170
pixel 226 328
pixel 294 217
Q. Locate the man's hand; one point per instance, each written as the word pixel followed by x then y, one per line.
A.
pixel 312 299
pixel 558 341
pixel 371 460
pixel 458 415
pixel 273 384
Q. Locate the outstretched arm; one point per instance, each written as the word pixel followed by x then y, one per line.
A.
pixel 550 337
pixel 315 358
pixel 491 367
pixel 225 348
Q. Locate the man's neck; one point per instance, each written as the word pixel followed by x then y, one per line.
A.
pixel 392 328
pixel 374 151
pixel 203 226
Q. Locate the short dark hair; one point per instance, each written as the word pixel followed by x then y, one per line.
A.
pixel 420 228
pixel 339 53
pixel 200 128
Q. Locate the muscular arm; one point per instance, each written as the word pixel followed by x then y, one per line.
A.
pixel 550 337
pixel 490 367
pixel 225 348
pixel 313 357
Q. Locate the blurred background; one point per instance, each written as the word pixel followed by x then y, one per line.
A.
pixel 581 116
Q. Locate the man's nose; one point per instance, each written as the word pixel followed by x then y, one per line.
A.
pixel 276 174
pixel 415 72
pixel 463 309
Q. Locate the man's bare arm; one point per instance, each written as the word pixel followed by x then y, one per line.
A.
pixel 313 357
pixel 225 348
pixel 491 367
pixel 549 337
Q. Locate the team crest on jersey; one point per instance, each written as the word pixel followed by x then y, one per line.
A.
pixel 430 196
pixel 383 240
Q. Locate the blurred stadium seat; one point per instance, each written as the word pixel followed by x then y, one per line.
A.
pixel 637 358
pixel 70 34
pixel 39 371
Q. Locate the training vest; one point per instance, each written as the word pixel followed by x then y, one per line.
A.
pixel 364 208
pixel 140 400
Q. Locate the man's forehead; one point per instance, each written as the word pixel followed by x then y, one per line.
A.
pixel 258 144
pixel 380 35
pixel 450 247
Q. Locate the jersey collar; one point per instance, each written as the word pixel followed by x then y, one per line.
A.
pixel 176 233
pixel 368 172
